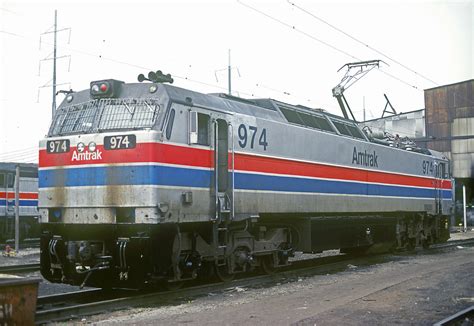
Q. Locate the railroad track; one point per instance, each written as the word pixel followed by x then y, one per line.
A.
pixel 453 243
pixel 14 269
pixel 464 317
pixel 82 303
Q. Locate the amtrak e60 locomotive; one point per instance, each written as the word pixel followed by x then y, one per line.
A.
pixel 148 182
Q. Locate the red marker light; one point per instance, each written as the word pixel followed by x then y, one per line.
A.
pixel 103 87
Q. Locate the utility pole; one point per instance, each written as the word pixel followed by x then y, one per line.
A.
pixel 54 57
pixel 17 208
pixel 464 204
pixel 54 61
pixel 363 108
pixel 229 75
pixel 229 72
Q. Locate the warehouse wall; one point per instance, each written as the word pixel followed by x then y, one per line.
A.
pixel 450 124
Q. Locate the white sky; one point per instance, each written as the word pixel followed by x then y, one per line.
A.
pixel 190 39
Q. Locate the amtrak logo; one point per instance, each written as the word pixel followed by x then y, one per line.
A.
pixel 364 158
pixel 86 156
pixel 89 153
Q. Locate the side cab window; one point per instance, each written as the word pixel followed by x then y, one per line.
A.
pixel 199 128
pixel 10 180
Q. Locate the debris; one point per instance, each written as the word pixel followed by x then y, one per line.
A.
pixel 460 247
pixel 351 266
pixel 9 252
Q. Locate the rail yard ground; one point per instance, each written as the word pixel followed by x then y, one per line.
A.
pixel 411 289
pixel 408 289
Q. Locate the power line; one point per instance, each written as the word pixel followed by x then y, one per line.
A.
pixel 359 41
pixel 19 155
pixel 20 150
pixel 100 57
pixel 9 11
pixel 297 30
pixel 292 27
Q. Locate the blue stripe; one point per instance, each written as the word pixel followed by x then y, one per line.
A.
pixel 3 202
pixel 173 176
pixel 275 183
pixel 124 175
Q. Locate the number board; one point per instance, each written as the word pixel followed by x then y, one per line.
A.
pixel 58 146
pixel 120 142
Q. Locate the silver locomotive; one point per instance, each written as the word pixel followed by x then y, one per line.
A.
pixel 148 182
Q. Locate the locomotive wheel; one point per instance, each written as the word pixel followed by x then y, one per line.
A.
pixel 222 273
pixel 267 264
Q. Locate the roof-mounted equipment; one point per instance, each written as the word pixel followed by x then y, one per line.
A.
pixel 156 77
pixel 355 71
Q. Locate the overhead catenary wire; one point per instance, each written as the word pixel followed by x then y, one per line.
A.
pixel 359 41
pixel 293 27
pixel 28 149
pixel 184 78
pixel 18 156
pixel 121 62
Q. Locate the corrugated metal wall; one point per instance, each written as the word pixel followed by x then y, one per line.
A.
pixel 450 124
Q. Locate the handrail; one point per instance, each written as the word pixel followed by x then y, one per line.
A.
pixel 233 168
pixel 216 166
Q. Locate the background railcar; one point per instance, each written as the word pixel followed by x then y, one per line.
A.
pixel 28 184
pixel 151 182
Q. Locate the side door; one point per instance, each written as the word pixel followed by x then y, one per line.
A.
pixel 221 130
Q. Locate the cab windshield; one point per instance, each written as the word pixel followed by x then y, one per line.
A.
pixel 104 114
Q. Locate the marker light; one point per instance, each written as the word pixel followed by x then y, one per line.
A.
pixel 153 88
pixel 80 147
pixel 92 146
pixel 108 88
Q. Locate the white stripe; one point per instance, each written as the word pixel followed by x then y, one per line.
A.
pixel 247 191
pixel 245 172
pixel 329 194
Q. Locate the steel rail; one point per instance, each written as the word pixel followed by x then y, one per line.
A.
pixel 466 315
pixel 19 268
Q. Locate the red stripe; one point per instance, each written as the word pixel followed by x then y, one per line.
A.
pixel 23 195
pixel 144 152
pixel 282 166
pixel 172 154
